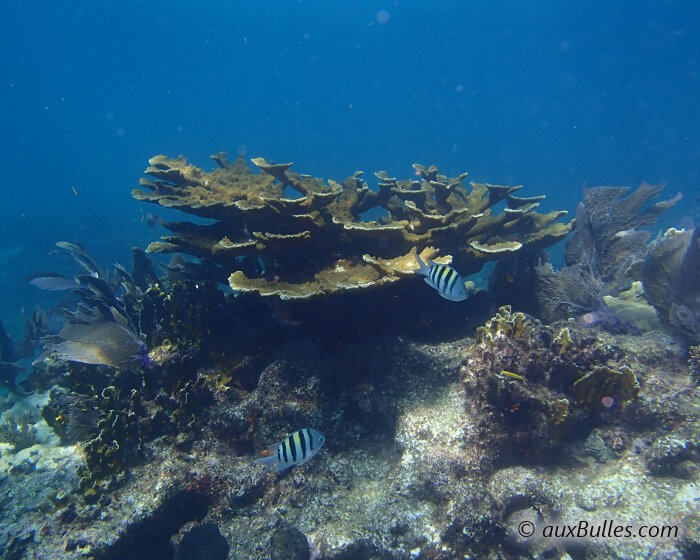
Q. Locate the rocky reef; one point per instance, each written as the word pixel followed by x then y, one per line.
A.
pixel 432 452
pixel 539 384
pixel 281 233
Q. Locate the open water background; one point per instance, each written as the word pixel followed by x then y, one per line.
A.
pixel 552 95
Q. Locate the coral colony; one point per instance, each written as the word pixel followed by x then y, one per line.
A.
pixel 317 243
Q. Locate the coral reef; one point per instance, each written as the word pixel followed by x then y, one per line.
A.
pixel 573 290
pixel 632 308
pixel 98 340
pixel 670 272
pixel 539 383
pixel 433 450
pixel 102 330
pixel 606 232
pixel 280 233
pixel 414 465
pixel 606 239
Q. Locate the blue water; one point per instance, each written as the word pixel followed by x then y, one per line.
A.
pixel 552 95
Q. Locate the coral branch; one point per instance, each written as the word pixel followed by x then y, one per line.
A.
pixel 319 243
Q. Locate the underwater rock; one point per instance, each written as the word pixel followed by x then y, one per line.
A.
pixel 611 491
pixel 203 542
pixel 596 447
pixel 33 497
pixel 289 543
pixel 675 455
pixel 411 466
pixel 268 242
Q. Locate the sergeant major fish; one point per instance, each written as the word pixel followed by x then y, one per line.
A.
pixel 445 279
pixel 297 448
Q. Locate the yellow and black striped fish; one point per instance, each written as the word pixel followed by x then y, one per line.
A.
pixel 297 448
pixel 445 279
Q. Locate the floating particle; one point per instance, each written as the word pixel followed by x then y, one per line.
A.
pixel 383 16
pixel 607 402
pixel 588 318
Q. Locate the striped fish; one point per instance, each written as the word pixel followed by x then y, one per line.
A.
pixel 297 448
pixel 445 279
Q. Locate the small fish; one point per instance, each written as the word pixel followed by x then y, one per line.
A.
pixel 445 279
pixel 75 191
pixel 96 340
pixel 52 281
pixel 512 375
pixel 297 448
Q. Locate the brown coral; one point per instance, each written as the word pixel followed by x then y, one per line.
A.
pixel 318 243
pixel 602 381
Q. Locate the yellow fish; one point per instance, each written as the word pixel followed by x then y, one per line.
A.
pixel 512 375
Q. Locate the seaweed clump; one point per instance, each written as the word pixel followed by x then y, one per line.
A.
pixel 280 233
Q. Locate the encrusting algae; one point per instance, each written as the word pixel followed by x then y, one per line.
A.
pixel 281 233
